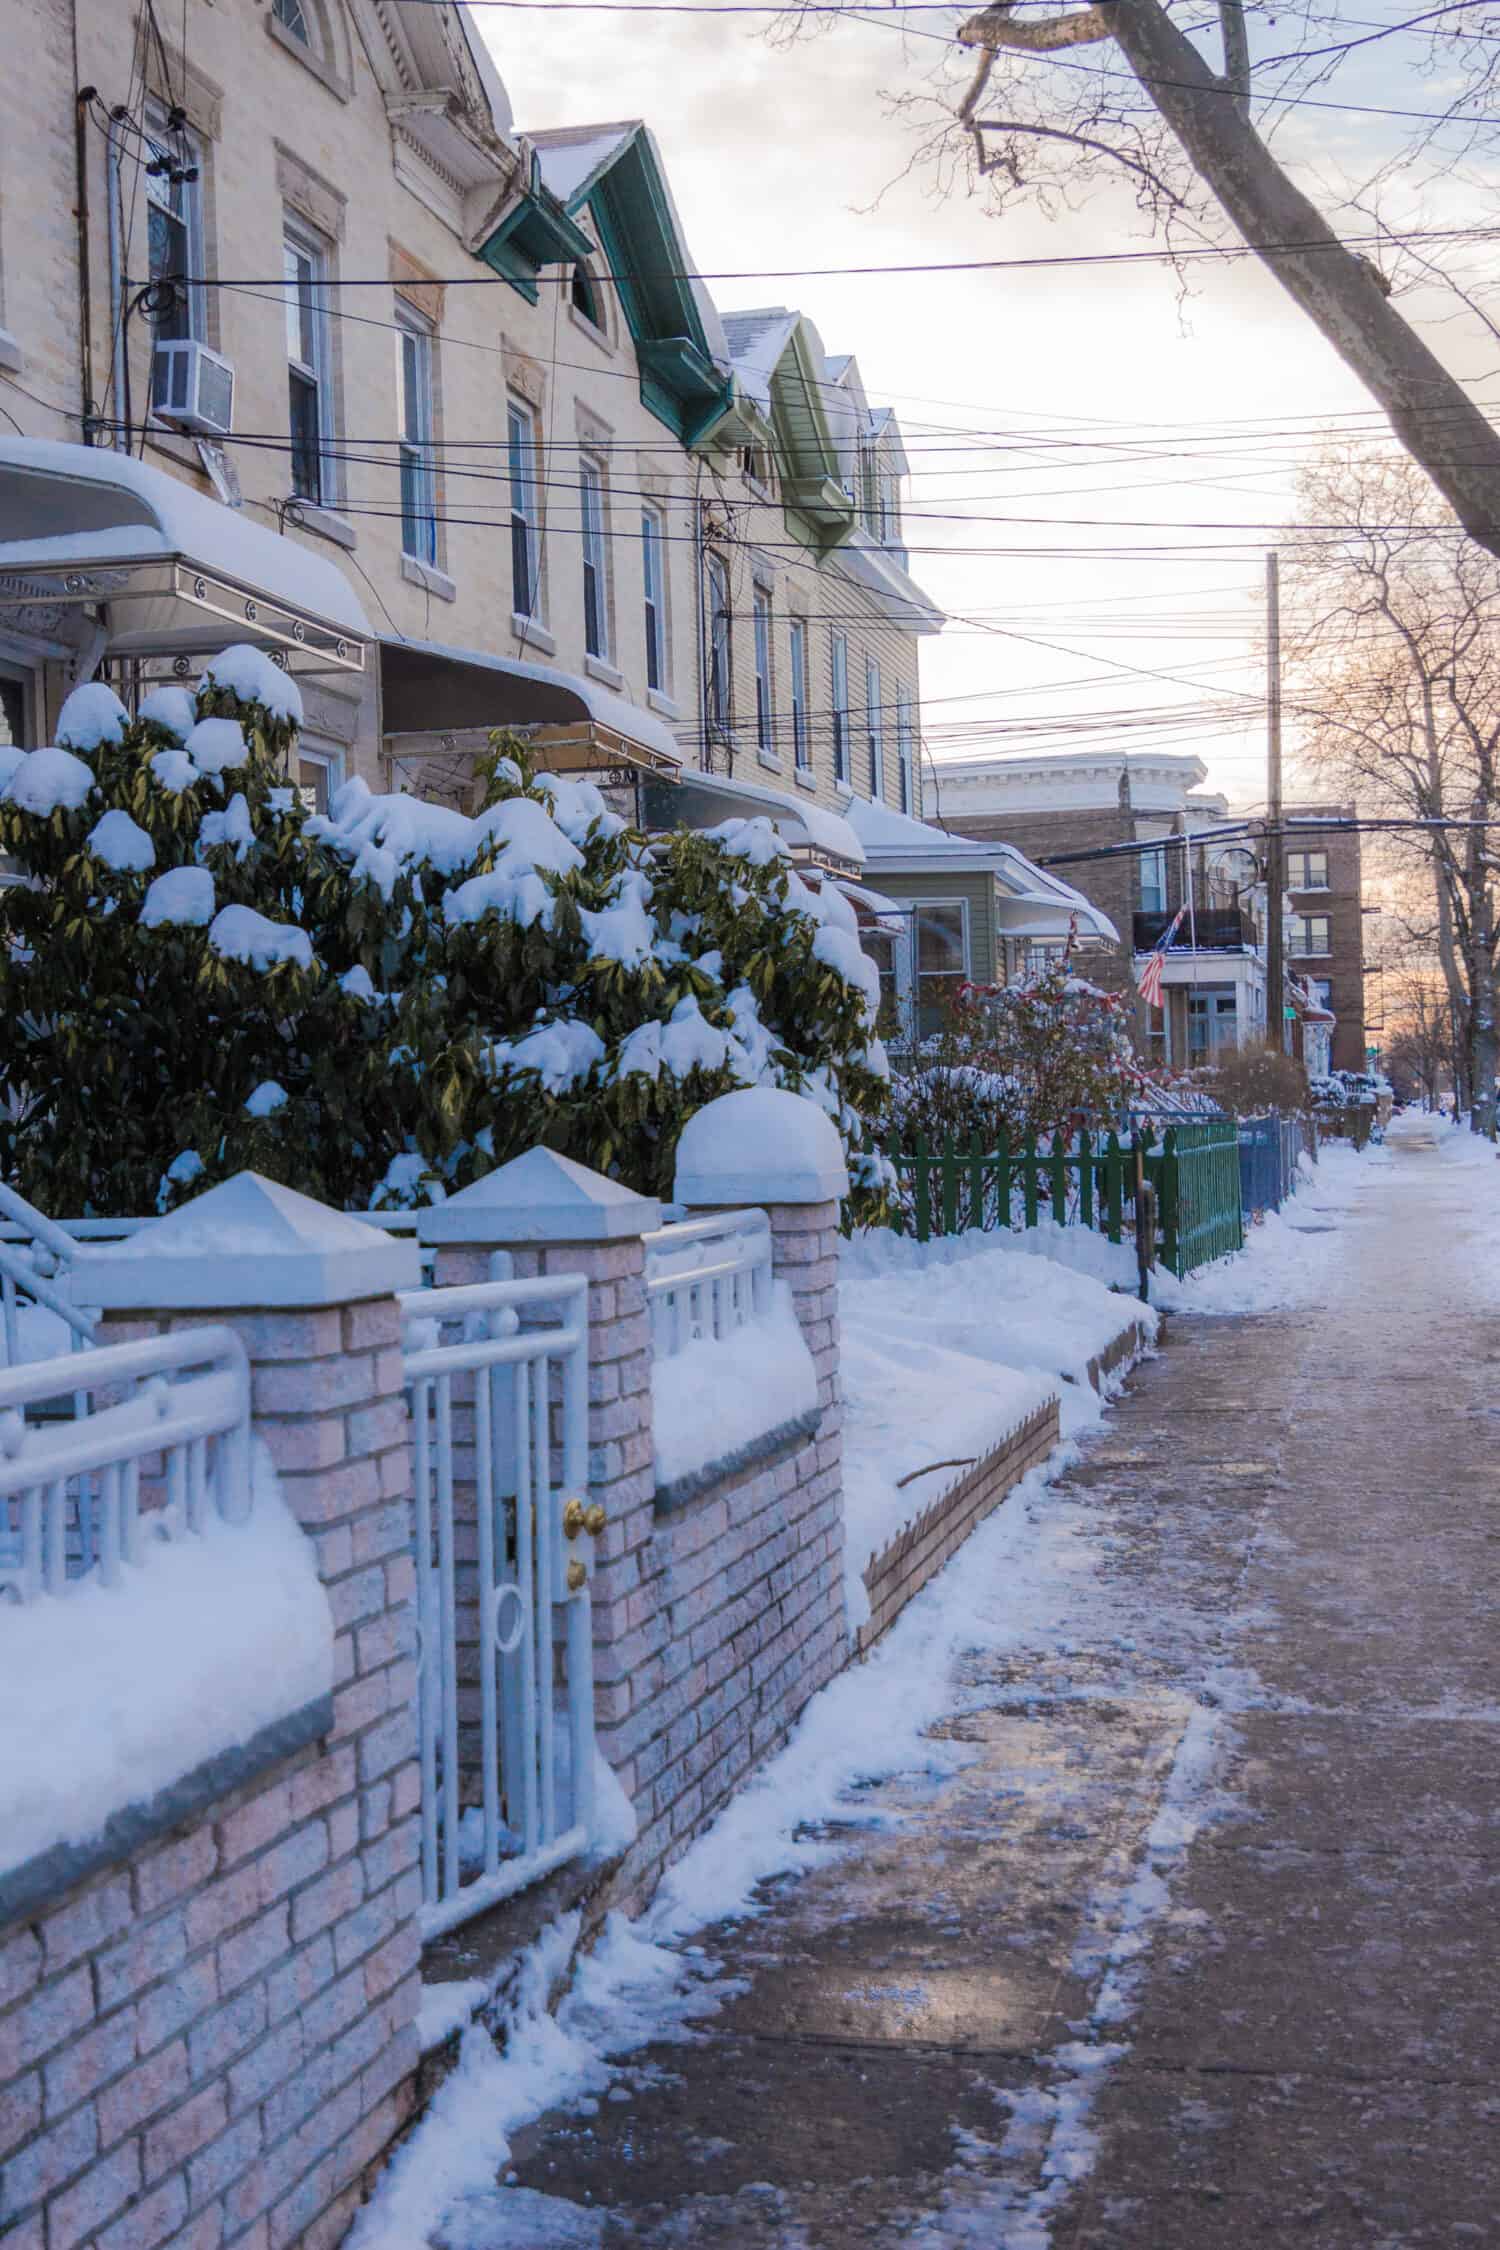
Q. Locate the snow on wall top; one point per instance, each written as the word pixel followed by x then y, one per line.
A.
pixel 760 1145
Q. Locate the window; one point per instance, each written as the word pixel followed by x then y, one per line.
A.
pixel 15 710
pixel 942 949
pixel 763 730
pixel 651 581
pixel 318 776
pixel 1307 871
pixel 1153 867
pixel 905 747
pixel 875 729
pixel 595 583
pixel 1308 934
pixel 1213 1021
pixel 414 411
pixel 584 297
pixel 839 698
pixel 174 225
pixel 718 699
pixel 755 466
pixel 890 514
pixel 525 570
pixel 292 16
pixel 801 743
pixel 1322 991
pixel 880 946
pixel 304 264
pixel 1042 954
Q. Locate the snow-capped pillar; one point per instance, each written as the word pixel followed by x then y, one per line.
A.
pixel 311 1293
pixel 556 1217
pixel 768 1149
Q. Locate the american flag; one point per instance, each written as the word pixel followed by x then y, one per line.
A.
pixel 1148 976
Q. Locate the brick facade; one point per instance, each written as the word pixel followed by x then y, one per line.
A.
pixel 1344 965
pixel 209 2043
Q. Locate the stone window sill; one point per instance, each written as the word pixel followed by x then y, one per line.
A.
pixel 12 358
pixel 656 701
pixel 327 523
pixel 598 669
pixel 437 582
pixel 805 778
pixel 768 758
pixel 531 635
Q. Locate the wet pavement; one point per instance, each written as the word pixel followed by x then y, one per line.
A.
pixel 1197 1948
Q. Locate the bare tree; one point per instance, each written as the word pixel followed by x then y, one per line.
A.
pixel 1395 670
pixel 1419 1044
pixel 1055 106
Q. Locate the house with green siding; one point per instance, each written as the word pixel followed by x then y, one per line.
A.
pixel 959 912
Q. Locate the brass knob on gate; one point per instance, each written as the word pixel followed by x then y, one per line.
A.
pixel 594 1519
pixel 574 1519
pixel 577 1576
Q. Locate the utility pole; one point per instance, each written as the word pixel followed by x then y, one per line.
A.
pixel 1275 841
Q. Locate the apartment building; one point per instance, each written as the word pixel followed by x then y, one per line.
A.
pixel 1325 928
pixel 304 340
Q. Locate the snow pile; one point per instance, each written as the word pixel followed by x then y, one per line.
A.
pixel 719 1394
pixel 946 1347
pixel 249 673
pixel 216 746
pixel 171 707
pixel 238 933
pixel 208 1639
pixel 175 770
pixel 183 896
pixel 49 781
pixel 121 844
pixel 91 716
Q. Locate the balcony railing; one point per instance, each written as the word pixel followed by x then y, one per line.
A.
pixel 1219 929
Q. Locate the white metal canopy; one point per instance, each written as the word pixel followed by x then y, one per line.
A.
pixel 168 571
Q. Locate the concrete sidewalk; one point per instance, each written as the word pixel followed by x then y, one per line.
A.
pixel 1310 2036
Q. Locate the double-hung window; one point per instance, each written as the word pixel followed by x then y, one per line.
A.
pixel 1153 866
pixel 304 265
pixel 525 544
pixel 801 741
pixel 765 737
pixel 414 407
pixel 174 227
pixel 1308 934
pixel 906 749
pixel 875 729
pixel 595 583
pixel 941 942
pixel 1307 871
pixel 838 673
pixel 718 703
pixel 655 613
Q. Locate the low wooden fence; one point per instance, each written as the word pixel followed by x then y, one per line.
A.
pixel 1085 1179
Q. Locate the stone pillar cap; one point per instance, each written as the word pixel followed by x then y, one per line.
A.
pixel 761 1145
pixel 245 1245
pixel 540 1197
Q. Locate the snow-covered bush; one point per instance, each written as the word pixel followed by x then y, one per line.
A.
pixel 1030 1057
pixel 381 1003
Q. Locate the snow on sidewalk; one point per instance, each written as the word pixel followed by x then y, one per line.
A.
pixel 1034 1580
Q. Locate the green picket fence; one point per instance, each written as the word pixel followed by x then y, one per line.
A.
pixel 1087 1179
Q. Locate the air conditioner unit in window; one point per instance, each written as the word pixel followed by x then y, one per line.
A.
pixel 193 387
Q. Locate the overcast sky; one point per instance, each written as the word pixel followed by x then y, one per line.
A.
pixel 1047 413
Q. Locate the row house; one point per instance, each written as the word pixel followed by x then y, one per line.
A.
pixel 303 340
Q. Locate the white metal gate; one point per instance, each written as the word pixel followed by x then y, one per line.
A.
pixel 497 1377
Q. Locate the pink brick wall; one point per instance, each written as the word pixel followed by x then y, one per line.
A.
pixel 208 2044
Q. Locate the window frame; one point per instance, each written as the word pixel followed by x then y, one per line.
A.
pixel 1307 857
pixel 838 704
pixel 522 454
pixel 875 728
pixel 329 762
pixel 1155 857
pixel 1299 937
pixel 906 735
pixel 797 664
pixel 653 597
pixel 765 709
pixel 298 240
pixel 307 17
pixel 718 684
pixel 191 220
pixel 919 907
pixel 593 499
pixel 417 452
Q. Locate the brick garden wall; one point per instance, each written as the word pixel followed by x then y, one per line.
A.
pixel 208 2042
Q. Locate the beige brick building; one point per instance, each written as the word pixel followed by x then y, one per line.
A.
pixel 303 341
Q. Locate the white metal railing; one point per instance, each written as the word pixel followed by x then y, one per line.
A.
pixel 707 1277
pixel 497 1376
pixel 35 1253
pixel 104 1450
pixel 402 1224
